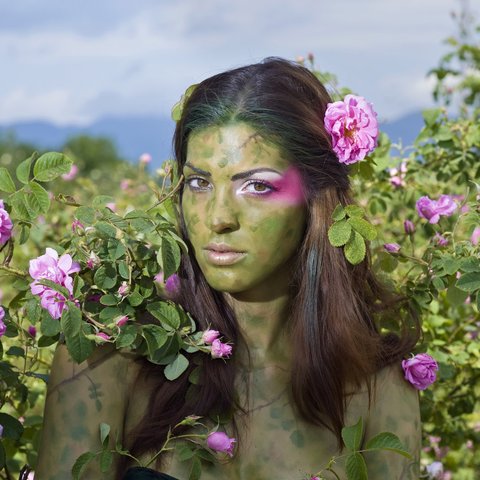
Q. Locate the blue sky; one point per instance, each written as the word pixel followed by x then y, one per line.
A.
pixel 74 62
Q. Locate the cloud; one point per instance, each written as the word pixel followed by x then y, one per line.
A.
pixel 113 55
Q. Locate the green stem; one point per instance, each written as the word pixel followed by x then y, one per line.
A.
pixel 13 271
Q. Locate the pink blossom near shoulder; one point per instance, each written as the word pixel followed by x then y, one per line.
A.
pixel 57 270
pixel 420 370
pixel 220 350
pixel 6 225
pixel 221 442
pixel 432 210
pixel 353 127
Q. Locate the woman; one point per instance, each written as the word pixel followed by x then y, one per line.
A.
pixel 261 183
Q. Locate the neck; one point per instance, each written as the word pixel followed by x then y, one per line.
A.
pixel 263 321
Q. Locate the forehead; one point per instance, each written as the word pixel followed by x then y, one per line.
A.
pixel 233 147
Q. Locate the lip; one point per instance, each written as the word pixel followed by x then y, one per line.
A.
pixel 222 254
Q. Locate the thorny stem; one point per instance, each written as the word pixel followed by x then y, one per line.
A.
pixel 171 194
pixel 13 271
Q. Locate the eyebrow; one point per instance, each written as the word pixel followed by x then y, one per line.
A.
pixel 237 176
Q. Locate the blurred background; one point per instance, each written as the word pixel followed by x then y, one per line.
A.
pixel 114 68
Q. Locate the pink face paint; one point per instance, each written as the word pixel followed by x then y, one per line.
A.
pixel 289 188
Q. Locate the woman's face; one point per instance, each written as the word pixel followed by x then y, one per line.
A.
pixel 244 209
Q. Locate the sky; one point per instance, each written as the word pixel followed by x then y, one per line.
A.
pixel 75 62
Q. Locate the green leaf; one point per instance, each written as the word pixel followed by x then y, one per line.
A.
pixel 79 347
pixel 12 428
pixel 353 435
pixel 50 166
pixel 469 282
pixel 105 230
pixel 85 215
pixel 104 432
pixel 102 200
pixel 356 467
pixel 170 256
pixel 109 300
pixel 185 452
pixel 54 286
pixel 176 368
pixel 166 313
pixel 21 207
pixel 196 470
pixel 81 464
pixel 71 320
pixel 339 213
pixel 387 441
pixel 127 336
pixel 24 233
pixel 6 182
pixel 355 211
pixel 339 233
pixel 105 277
pixel 49 326
pixel 430 116
pixel 155 336
pixel 470 264
pixel 38 198
pixel 355 249
pixel 23 170
pixel 364 228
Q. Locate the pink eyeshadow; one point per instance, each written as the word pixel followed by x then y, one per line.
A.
pixel 289 188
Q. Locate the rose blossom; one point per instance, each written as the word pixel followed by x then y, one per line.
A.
pixel 145 158
pixel 71 174
pixel 420 370
pixel 93 260
pixel 475 238
pixel 220 350
pixel 409 227
pixel 391 247
pixel 103 336
pixel 435 470
pixel 352 125
pixel 433 209
pixel 123 289
pixel 440 240
pixel 220 442
pixel 172 284
pixel 58 270
pixel 77 225
pixel 3 327
pixel 122 321
pixel 32 331
pixel 210 335
pixel 6 225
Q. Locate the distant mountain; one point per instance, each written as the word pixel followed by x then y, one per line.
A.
pixel 131 135
pixel 136 135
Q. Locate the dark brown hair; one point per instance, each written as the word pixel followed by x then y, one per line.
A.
pixel 336 307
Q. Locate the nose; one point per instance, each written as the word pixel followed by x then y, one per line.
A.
pixel 221 214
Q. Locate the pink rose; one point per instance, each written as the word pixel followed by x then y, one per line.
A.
pixel 353 127
pixel 440 240
pixel 58 270
pixel 145 158
pixel 71 174
pixel 392 247
pixel 209 336
pixel 77 225
pixel 220 442
pixel 103 336
pixel 420 370
pixel 123 289
pixel 172 285
pixel 3 327
pixel 475 238
pixel 122 321
pixel 32 331
pixel 432 210
pixel 220 350
pixel 6 225
pixel 409 227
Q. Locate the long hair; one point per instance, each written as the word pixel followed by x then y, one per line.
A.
pixel 336 306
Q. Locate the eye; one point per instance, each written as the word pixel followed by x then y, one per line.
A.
pixel 197 184
pixel 258 187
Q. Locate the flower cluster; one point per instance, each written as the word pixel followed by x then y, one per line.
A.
pixel 6 225
pixel 58 270
pixel 420 370
pixel 353 127
pixel 218 348
pixel 432 210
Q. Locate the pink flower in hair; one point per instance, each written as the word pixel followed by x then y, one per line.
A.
pixel 353 127
pixel 220 350
pixel 210 335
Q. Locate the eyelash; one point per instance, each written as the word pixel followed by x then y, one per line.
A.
pixel 270 187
